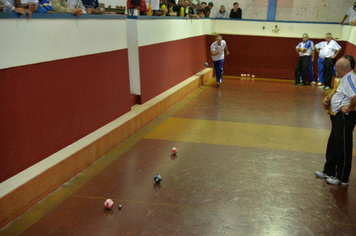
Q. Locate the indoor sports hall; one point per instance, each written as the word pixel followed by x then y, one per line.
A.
pixel 90 115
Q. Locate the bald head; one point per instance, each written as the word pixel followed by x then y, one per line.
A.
pixel 343 67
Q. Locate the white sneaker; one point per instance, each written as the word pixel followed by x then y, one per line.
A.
pixel 321 174
pixel 313 83
pixel 327 87
pixel 320 84
pixel 335 181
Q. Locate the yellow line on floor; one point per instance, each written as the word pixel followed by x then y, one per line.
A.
pixel 261 79
pixel 242 134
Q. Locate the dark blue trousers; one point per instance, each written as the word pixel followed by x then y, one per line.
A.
pixel 218 67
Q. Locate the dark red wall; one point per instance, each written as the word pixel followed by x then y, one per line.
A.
pixel 47 106
pixel 164 65
pixel 350 49
pixel 265 57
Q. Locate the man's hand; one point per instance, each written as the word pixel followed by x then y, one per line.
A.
pixel 78 12
pixel 20 11
pixel 227 53
pixel 345 109
pixel 326 103
pixel 89 10
pixel 29 13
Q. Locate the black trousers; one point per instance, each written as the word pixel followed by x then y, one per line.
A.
pixel 327 71
pixel 339 149
pixel 302 69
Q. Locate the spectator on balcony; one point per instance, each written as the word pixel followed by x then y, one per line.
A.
pixel 236 12
pixel 61 6
pixel 207 9
pixel 171 8
pixel 222 13
pixel 351 13
pixel 200 9
pixel 77 4
pixel 137 4
pixel 29 6
pixel 193 9
pixel 162 9
pixel 8 7
pixel 46 6
pixel 92 7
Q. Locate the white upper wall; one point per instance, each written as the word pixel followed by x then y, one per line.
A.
pixel 33 41
pixel 158 31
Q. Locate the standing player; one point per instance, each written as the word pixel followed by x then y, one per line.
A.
pixel 304 49
pixel 327 50
pixel 217 54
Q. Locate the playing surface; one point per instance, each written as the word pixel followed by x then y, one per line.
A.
pixel 246 158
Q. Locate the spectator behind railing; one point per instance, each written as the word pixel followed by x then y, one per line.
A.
pixel 192 5
pixel 77 4
pixel 30 6
pixel 200 9
pixel 207 9
pixel 137 4
pixel 92 7
pixel 8 7
pixel 61 6
pixel 236 12
pixel 171 7
pixel 222 13
pixel 46 6
pixel 162 9
pixel 351 13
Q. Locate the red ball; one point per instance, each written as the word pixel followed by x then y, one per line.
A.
pixel 109 204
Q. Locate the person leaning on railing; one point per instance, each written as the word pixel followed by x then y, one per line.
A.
pixel 6 6
pixel 92 7
pixel 60 6
pixel 137 4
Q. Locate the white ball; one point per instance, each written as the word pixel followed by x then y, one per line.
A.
pixel 248 75
pixel 109 204
pixel 253 76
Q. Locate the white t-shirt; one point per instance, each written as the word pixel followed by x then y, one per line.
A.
pixel 351 13
pixel 345 92
pixel 327 49
pixel 215 47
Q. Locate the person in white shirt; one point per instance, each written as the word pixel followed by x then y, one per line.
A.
pixel 327 50
pixel 341 105
pixel 304 49
pixel 77 4
pixel 351 13
pixel 217 54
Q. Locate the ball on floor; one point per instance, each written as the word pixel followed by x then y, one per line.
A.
pixel 174 150
pixel 109 204
pixel 157 178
